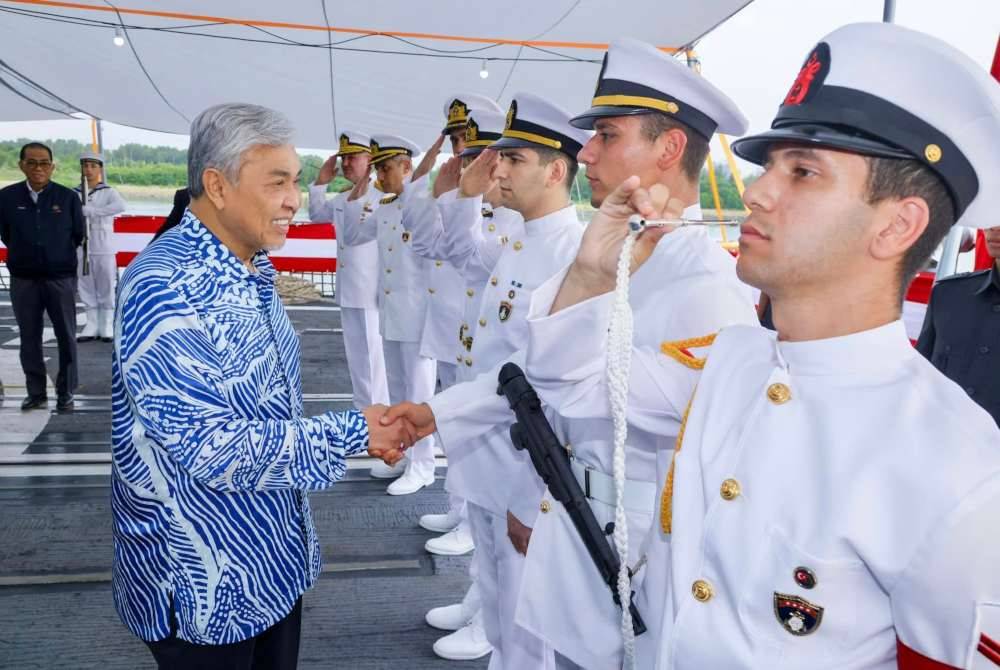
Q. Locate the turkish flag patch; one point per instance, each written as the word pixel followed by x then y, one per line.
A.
pixel 811 76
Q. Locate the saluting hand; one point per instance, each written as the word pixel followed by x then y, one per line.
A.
pixel 327 172
pixel 429 158
pixel 595 267
pixel 448 176
pixel 478 179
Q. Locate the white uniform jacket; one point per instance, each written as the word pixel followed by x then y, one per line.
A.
pixel 833 502
pixel 103 203
pixel 483 467
pixel 402 283
pixel 357 264
pixel 686 289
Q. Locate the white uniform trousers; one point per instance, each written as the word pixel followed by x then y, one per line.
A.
pixel 412 377
pixel 97 288
pixel 499 569
pixel 365 358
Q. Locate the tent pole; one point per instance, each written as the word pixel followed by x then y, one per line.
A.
pixel 888 11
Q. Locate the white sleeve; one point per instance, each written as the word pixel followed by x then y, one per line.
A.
pixel 110 204
pixel 467 248
pixel 467 410
pixel 567 358
pixel 422 218
pixel 355 229
pixel 946 604
pixel 320 209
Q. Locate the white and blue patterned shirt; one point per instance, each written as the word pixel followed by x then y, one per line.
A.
pixel 211 453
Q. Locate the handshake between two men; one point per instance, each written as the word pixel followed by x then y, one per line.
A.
pixel 392 430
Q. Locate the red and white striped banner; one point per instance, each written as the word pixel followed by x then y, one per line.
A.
pixel 309 248
pixel 915 305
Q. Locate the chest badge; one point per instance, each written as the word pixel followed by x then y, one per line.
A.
pixel 56 209
pixel 797 615
pixel 505 309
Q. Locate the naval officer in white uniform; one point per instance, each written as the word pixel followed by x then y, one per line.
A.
pixel 534 163
pixel 653 117
pixel 97 287
pixel 833 499
pixel 402 294
pixel 357 272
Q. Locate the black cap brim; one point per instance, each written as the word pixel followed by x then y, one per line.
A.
pixel 472 152
pixel 754 148
pixel 587 119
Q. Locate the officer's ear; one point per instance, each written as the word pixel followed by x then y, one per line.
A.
pixel 213 184
pixel 899 224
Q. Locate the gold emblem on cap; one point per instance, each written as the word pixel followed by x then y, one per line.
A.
pixel 511 115
pixel 779 393
pixel 458 112
pixel 932 153
pixel 471 131
pixel 344 143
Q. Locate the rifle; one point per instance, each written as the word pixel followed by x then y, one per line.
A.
pixel 533 433
pixel 85 195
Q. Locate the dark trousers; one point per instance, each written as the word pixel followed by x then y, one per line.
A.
pixel 31 298
pixel 277 648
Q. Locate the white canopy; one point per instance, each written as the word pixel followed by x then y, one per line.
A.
pixel 394 62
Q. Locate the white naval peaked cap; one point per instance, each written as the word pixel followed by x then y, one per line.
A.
pixel 384 147
pixel 352 142
pixel 638 78
pixel 878 89
pixel 457 108
pixel 482 129
pixel 93 156
pixel 535 122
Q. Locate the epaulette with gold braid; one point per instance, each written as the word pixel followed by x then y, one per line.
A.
pixel 388 199
pixel 680 350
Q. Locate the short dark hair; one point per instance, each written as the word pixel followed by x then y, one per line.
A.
pixel 546 156
pixel 35 145
pixel 655 124
pixel 895 178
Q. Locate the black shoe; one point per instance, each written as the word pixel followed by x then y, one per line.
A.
pixel 64 403
pixel 34 402
pixel 106 339
pixel 87 338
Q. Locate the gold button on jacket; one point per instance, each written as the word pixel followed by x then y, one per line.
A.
pixel 493 281
pixel 779 393
pixel 431 291
pixel 702 591
pixel 482 322
pixel 518 245
pixel 730 489
pixel 545 506
pixel 469 292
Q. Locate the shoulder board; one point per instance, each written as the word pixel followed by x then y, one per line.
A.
pixel 963 275
pixel 388 199
pixel 681 350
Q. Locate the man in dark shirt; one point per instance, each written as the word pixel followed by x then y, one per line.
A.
pixel 42 224
pixel 961 332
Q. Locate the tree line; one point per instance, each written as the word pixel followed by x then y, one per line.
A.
pixel 144 165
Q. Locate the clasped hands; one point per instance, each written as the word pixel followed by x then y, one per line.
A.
pixel 393 430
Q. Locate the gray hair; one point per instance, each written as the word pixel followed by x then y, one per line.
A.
pixel 220 136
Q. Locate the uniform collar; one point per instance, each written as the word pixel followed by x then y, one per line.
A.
pixel 557 220
pixel 990 280
pixel 212 252
pixel 879 348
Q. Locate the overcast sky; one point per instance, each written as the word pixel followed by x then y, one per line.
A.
pixel 753 57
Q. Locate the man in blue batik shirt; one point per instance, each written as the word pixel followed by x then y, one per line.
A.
pixel 212 457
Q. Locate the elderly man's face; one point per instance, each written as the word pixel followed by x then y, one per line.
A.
pixel 259 208
pixel 356 166
pixel 392 174
pixel 37 167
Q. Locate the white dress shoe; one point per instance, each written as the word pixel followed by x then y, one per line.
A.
pixel 465 644
pixel 410 482
pixel 455 543
pixel 382 471
pixel 449 617
pixel 440 523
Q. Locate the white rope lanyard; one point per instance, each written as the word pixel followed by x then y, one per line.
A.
pixel 618 370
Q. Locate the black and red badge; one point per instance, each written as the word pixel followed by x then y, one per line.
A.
pixel 797 615
pixel 805 577
pixel 811 76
